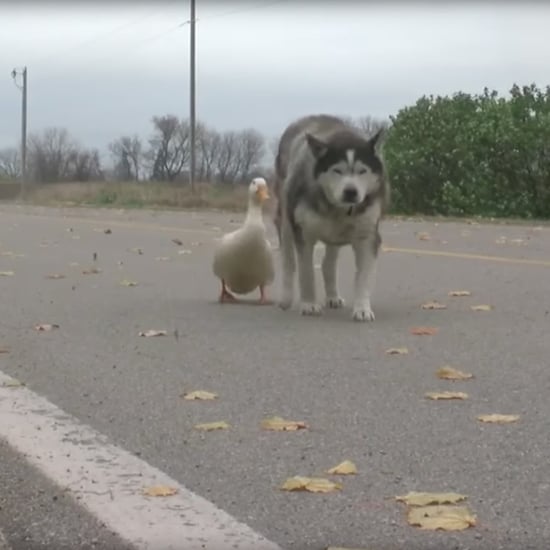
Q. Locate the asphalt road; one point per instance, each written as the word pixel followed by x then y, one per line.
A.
pixel 361 403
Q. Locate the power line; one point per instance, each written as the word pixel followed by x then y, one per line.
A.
pixel 68 51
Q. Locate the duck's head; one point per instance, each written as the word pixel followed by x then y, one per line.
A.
pixel 258 191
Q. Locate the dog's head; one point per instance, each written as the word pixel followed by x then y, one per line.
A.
pixel 347 167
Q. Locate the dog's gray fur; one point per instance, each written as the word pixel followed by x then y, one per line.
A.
pixel 315 175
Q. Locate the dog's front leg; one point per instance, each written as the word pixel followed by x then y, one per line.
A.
pixel 333 300
pixel 306 273
pixel 288 261
pixel 366 254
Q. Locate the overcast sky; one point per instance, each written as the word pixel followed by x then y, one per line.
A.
pixel 103 70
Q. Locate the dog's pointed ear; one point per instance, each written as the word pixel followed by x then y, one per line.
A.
pixel 318 147
pixel 377 140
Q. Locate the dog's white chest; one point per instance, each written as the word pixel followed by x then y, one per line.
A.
pixel 339 230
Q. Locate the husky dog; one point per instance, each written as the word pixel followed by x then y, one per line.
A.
pixel 331 186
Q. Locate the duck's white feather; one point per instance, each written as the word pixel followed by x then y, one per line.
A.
pixel 243 258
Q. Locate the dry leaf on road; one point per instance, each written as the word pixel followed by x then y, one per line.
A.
pixel 397 351
pixel 481 307
pixel 200 395
pixel 498 418
pixel 278 424
pixel 424 236
pixel 446 395
pixel 127 282
pixel 446 518
pixel 7 273
pixel 137 251
pixel 4 350
pixel 310 484
pixel 450 373
pixel 177 241
pixel 460 293
pixel 211 426
pixel 344 469
pixel 45 327
pixel 153 332
pixel 185 251
pixel 418 498
pixel 12 383
pixel 434 305
pixel 424 331
pixel 91 271
pixel 160 491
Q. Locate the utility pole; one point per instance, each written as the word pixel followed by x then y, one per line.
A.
pixel 192 122
pixel 23 89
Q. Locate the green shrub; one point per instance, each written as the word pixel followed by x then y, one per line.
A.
pixel 472 155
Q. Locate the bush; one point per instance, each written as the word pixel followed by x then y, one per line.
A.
pixel 472 155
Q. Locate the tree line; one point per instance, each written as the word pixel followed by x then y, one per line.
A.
pixel 221 157
pixel 460 154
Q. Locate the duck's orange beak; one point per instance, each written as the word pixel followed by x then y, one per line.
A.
pixel 262 193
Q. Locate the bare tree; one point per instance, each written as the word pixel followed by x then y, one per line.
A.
pixel 169 151
pixel 84 165
pixel 48 155
pixel 370 125
pixel 208 149
pixel 54 156
pixel 251 151
pixel 228 158
pixel 127 153
pixel 10 166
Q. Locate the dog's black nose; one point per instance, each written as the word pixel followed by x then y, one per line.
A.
pixel 350 194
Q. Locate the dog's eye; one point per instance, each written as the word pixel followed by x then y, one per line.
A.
pixel 362 171
pixel 337 171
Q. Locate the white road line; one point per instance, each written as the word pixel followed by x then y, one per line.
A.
pixel 109 481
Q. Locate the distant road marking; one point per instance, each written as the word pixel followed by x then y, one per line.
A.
pixel 403 250
pixel 467 256
pixel 108 481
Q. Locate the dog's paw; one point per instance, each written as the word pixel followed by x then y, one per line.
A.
pixel 310 309
pixel 363 313
pixel 335 302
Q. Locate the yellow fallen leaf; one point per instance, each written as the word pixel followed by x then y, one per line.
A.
pixel 416 498
pixel 446 518
pixel 45 327
pixel 344 468
pixel 55 276
pixel 481 307
pixel 460 293
pixel 127 282
pixel 7 273
pixel 91 271
pixel 397 351
pixel 434 305
pixel 12 383
pixel 211 426
pixel 450 373
pixel 311 484
pixel 424 236
pixel 278 424
pixel 498 418
pixel 153 332
pixel 200 395
pixel 160 491
pixel 446 395
pixel 424 331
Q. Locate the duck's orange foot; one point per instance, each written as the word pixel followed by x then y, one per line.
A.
pixel 264 300
pixel 226 296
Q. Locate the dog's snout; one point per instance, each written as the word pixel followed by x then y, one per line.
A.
pixel 350 194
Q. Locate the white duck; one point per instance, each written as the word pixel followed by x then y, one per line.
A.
pixel 243 259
